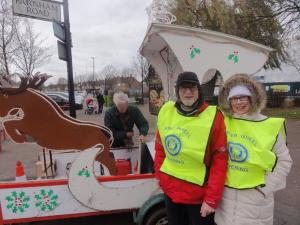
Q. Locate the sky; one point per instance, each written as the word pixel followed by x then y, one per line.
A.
pixel 111 31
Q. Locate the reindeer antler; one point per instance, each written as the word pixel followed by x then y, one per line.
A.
pixel 38 79
pixel 5 81
pixel 7 87
pixel 34 81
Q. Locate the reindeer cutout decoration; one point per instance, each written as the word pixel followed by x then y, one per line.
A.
pixel 26 112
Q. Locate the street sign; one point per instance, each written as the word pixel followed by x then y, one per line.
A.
pixel 59 31
pixel 62 52
pixel 38 9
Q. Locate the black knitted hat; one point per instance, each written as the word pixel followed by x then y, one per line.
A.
pixel 187 77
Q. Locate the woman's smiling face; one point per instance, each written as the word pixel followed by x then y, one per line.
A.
pixel 240 104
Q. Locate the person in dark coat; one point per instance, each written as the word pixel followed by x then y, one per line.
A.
pixel 100 100
pixel 121 118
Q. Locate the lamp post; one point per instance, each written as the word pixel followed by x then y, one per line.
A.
pixel 93 58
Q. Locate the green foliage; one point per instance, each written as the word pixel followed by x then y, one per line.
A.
pixel 252 20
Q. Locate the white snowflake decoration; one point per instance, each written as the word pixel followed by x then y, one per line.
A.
pixel 157 12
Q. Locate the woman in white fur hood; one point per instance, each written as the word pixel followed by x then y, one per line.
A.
pixel 259 159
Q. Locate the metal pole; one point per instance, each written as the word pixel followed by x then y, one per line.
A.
pixel 93 58
pixel 69 59
pixel 142 85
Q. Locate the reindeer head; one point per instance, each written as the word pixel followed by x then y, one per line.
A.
pixel 10 93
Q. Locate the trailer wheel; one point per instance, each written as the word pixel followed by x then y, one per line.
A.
pixel 157 217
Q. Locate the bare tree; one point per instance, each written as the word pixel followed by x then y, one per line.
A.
pixel 79 81
pixel 127 74
pixel 294 53
pixel 108 73
pixel 30 54
pixel 8 28
pixel 287 12
pixel 141 66
pixel 62 83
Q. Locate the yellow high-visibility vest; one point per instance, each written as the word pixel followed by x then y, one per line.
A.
pixel 185 140
pixel 250 145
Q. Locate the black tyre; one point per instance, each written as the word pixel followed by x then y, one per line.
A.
pixel 157 217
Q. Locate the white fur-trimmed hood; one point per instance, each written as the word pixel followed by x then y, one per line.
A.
pixel 258 98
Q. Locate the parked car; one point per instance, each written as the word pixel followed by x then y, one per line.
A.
pixel 78 97
pixel 63 101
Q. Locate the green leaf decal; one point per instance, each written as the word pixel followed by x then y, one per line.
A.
pixel 46 200
pixel 235 59
pixel 38 197
pixel 197 50
pixel 194 52
pixel 17 202
pixel 234 56
pixel 8 198
pixel 9 206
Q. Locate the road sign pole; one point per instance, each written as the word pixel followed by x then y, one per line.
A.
pixel 69 59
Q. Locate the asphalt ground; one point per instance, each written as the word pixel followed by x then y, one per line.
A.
pixel 287 201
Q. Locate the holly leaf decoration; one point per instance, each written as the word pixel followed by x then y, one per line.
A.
pixel 46 200
pixel 54 203
pixel 38 197
pixel 43 192
pixel 50 192
pixel 235 59
pixel 22 194
pixel 197 50
pixel 192 55
pixel 8 198
pixel 26 199
pixel 87 173
pixel 38 204
pixel 9 206
pixel 54 197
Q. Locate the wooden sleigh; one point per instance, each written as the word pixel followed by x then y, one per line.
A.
pixel 28 116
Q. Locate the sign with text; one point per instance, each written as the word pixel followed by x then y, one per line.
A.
pixel 38 9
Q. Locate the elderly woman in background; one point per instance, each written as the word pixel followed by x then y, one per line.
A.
pixel 259 159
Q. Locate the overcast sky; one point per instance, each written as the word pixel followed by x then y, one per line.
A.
pixel 109 30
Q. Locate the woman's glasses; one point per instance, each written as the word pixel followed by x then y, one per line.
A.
pixel 237 99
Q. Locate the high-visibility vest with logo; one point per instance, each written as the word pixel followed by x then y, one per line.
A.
pixel 185 140
pixel 250 145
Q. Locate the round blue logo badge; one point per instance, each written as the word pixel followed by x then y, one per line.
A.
pixel 237 152
pixel 173 144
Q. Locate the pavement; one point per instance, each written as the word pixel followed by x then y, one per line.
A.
pixel 287 201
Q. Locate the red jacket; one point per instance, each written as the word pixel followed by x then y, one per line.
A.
pixel 216 161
